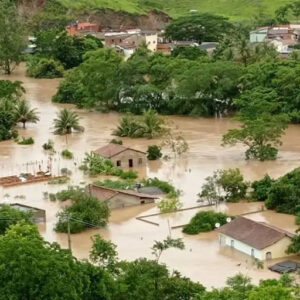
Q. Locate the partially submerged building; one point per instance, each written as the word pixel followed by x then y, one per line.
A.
pixel 39 215
pixel 123 157
pixel 119 198
pixel 257 239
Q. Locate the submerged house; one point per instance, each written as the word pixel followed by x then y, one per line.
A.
pixel 123 157
pixel 257 239
pixel 120 198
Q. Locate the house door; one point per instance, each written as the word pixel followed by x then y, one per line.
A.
pixel 268 255
pixel 130 163
pixel 232 243
pixel 252 252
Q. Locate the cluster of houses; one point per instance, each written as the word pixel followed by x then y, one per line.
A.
pixel 127 41
pixel 282 37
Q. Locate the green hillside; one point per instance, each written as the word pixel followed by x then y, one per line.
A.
pixel 235 9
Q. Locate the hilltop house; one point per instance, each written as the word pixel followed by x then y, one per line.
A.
pixel 120 198
pixel 83 28
pixel 126 42
pixel 123 157
pixel 257 239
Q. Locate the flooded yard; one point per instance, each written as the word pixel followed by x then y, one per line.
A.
pixel 202 260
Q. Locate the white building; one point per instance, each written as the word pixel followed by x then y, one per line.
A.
pixel 257 239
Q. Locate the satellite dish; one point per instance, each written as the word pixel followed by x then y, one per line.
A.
pixel 228 220
pixel 217 225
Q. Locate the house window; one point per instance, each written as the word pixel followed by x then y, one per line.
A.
pixel 112 40
pixel 140 161
pixel 118 163
pixel 268 255
pixel 130 163
pixel 142 201
pixel 232 243
pixel 252 252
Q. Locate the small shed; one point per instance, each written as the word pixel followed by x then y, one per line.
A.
pixel 39 215
pixel 257 239
pixel 120 198
pixel 123 157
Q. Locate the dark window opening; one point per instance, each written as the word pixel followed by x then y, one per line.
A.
pixel 118 163
pixel 130 162
pixel 142 201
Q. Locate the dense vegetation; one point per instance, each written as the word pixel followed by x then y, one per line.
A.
pixel 223 185
pixel 231 8
pixel 205 221
pixel 13 109
pixel 84 212
pixel 27 261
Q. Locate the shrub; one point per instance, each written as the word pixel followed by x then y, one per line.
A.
pixel 10 216
pixel 204 221
pixel 26 141
pixel 49 145
pixel 150 125
pixel 59 181
pixel 66 172
pixel 117 184
pixel 154 152
pixel 165 186
pixel 84 212
pixel 44 68
pixel 116 141
pixel 261 188
pixel 284 194
pixel 169 205
pixel 67 154
pixel 129 174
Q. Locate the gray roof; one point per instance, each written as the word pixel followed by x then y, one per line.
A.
pixel 150 190
pixel 286 266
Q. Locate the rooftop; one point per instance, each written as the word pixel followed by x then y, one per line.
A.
pixel 255 234
pixel 110 150
pixel 109 193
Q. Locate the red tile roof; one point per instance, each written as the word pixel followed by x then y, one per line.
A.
pixel 255 234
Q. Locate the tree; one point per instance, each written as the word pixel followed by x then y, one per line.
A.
pixel 66 121
pixel 200 27
pixel 261 188
pixel 159 247
pixel 154 152
pixel 23 113
pixel 188 52
pixel 275 292
pixel 12 40
pixel 177 144
pixel 103 252
pixel 227 185
pixel 10 216
pixel 262 126
pixel 294 247
pixel 205 221
pixel 35 269
pixel 232 183
pixel 284 193
pixel 84 212
pixel 169 204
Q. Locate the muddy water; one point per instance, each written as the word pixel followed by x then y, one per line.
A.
pixel 202 260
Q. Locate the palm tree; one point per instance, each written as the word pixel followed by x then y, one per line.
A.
pixel 23 113
pixel 153 123
pixel 66 121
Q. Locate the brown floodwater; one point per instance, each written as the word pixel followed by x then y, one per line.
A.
pixel 202 260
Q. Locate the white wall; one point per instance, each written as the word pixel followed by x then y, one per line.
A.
pixel 226 240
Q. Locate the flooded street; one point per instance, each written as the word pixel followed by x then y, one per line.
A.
pixel 202 260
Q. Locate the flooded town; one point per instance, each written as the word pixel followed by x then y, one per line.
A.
pixel 149 150
pixel 203 257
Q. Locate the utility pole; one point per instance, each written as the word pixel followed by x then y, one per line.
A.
pixel 69 232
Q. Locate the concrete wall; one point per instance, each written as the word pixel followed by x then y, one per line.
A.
pixel 122 200
pixel 257 37
pixel 139 159
pixel 277 250
pixel 242 247
pixel 151 42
